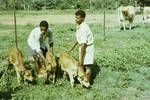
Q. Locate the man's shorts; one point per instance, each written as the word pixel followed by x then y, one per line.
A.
pixel 89 55
pixel 33 52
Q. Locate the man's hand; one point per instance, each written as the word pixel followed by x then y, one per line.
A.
pixel 43 58
pixel 74 45
pixel 80 64
pixel 68 51
pixel 51 50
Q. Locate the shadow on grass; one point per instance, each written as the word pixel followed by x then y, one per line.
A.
pixel 1 74
pixel 127 28
pixel 95 70
pixel 5 95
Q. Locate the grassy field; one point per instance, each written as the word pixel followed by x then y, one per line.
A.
pixel 121 69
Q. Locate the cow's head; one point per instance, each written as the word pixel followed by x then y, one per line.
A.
pixel 125 13
pixel 28 75
pixel 50 61
pixel 83 77
pixel 42 72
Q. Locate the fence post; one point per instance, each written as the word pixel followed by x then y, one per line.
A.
pixel 104 20
pixel 16 40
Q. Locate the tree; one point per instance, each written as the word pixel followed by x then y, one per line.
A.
pixel 68 4
pixel 144 2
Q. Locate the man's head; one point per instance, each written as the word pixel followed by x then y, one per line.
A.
pixel 80 16
pixel 43 26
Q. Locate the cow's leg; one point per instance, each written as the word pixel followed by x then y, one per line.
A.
pixel 130 23
pixel 18 75
pixel 146 19
pixel 143 19
pixel 120 24
pixel 71 80
pixel 54 78
pixel 48 76
pixel 36 62
pixel 65 75
pixel 80 80
pixel 130 26
pixel 124 27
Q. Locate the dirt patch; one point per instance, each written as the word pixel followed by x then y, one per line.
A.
pixel 111 19
pixel 50 18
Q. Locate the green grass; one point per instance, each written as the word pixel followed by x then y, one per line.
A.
pixel 46 12
pixel 121 71
pixel 22 13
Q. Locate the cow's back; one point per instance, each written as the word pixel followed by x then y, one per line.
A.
pixel 67 62
pixel 131 10
pixel 51 59
pixel 16 58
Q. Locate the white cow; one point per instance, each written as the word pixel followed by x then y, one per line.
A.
pixel 126 13
pixel 146 14
pixel 137 10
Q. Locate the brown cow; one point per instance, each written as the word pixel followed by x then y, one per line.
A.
pixel 15 57
pixel 50 68
pixel 70 65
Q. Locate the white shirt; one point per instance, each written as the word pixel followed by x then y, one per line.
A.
pixel 84 34
pixel 34 40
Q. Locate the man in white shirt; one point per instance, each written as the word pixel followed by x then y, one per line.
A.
pixel 36 42
pixel 84 37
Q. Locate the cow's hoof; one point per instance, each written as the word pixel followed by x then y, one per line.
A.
pixel 89 87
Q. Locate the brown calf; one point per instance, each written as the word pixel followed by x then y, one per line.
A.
pixel 70 65
pixel 15 57
pixel 50 68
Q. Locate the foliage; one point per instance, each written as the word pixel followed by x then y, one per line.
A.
pixel 68 4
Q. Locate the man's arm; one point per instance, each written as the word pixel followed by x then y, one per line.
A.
pixel 73 46
pixel 41 55
pixel 51 41
pixel 82 56
pixel 51 48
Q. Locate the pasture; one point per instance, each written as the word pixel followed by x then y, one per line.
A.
pixel 122 61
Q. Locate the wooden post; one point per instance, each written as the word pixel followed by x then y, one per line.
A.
pixel 104 20
pixel 45 5
pixel 81 4
pixel 16 41
pixel 28 9
pixel 90 2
